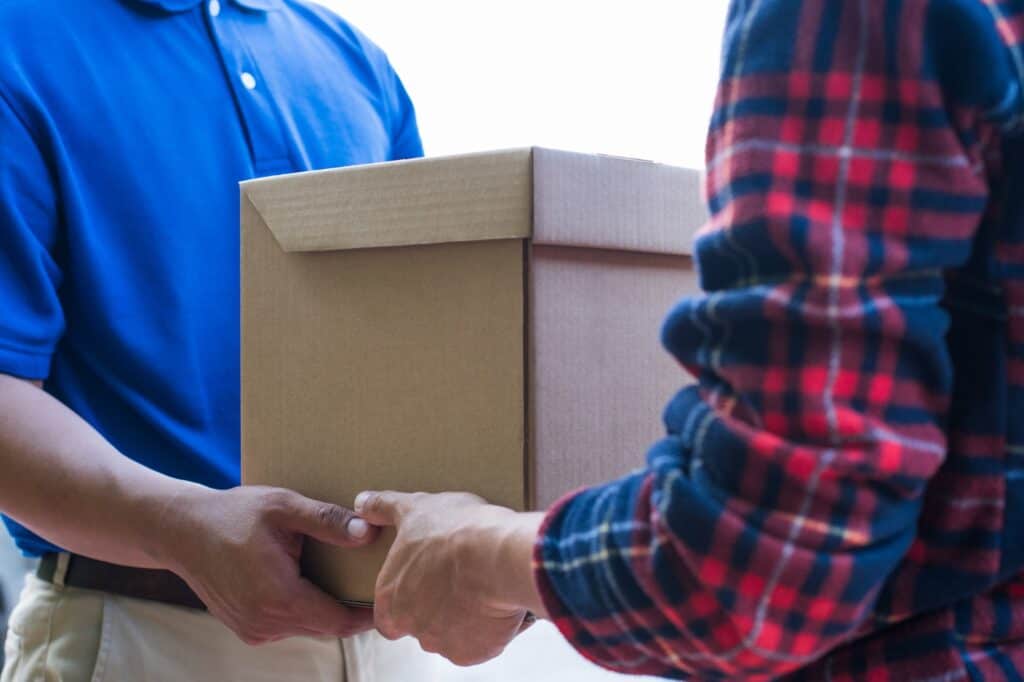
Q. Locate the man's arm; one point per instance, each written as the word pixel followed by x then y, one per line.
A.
pixel 238 549
pixel 66 483
pixel 846 172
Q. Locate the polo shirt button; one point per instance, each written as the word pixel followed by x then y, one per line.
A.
pixel 248 80
pixel 214 8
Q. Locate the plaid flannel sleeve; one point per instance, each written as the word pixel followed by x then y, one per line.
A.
pixel 845 174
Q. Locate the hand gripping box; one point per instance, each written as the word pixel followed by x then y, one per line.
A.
pixel 487 323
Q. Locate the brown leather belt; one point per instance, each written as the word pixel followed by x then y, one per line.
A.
pixel 138 583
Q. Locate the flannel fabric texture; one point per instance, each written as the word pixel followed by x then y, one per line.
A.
pixel 841 494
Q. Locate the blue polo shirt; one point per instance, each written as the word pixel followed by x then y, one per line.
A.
pixel 125 127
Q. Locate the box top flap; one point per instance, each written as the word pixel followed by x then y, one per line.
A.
pixel 472 197
pixel 555 197
pixel 609 202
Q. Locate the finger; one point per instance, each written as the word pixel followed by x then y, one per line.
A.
pixel 383 508
pixel 326 522
pixel 318 612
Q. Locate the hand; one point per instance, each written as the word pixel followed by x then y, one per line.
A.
pixel 459 576
pixel 239 551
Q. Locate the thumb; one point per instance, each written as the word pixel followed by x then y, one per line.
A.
pixel 328 523
pixel 383 508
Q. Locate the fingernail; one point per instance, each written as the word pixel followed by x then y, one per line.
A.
pixel 358 528
pixel 361 499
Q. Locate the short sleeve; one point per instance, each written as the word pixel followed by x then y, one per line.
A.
pixel 405 133
pixel 31 322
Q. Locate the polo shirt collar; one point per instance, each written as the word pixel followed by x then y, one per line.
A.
pixel 182 5
pixel 260 5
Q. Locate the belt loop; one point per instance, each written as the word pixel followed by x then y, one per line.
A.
pixel 61 571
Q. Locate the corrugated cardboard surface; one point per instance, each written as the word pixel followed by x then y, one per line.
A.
pixel 472 197
pixel 381 368
pixel 579 200
pixel 600 378
pixel 608 202
pixel 409 368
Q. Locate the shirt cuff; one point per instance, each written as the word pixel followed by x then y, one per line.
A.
pixel 540 574
pixel 557 611
pixel 28 365
pixel 584 572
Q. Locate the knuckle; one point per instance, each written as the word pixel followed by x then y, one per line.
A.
pixel 332 515
pixel 465 551
pixel 385 499
pixel 277 501
pixel 387 628
pixel 372 502
pixel 388 633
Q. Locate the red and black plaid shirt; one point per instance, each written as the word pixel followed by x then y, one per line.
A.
pixel 841 497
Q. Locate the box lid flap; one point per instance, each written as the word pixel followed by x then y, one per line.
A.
pixel 609 202
pixel 555 197
pixel 472 197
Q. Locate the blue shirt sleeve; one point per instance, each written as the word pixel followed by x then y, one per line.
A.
pixel 396 106
pixel 32 321
pixel 405 133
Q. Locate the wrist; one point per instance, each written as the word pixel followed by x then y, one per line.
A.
pixel 516 586
pixel 166 522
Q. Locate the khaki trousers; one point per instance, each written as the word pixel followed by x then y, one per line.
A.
pixel 64 634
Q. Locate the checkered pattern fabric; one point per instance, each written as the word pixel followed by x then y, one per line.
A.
pixel 841 495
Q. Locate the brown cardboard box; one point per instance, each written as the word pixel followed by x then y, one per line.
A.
pixel 486 322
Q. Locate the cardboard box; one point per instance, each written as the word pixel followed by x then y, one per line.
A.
pixel 487 322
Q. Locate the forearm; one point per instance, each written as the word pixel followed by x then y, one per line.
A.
pixel 64 481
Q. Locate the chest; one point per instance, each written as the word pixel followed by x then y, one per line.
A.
pixel 208 101
pixel 152 135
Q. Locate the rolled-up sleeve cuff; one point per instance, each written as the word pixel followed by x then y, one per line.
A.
pixel 541 559
pixel 583 569
pixel 547 556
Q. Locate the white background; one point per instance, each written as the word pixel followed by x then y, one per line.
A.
pixel 628 77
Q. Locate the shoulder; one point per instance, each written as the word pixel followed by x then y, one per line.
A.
pixel 33 54
pixel 340 31
pixel 25 23
pixel 974 50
